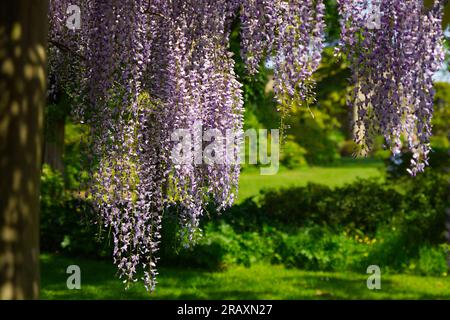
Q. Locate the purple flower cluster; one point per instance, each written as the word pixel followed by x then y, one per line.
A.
pixel 191 79
pixel 393 63
pixel 147 69
pixel 291 33
pixel 258 23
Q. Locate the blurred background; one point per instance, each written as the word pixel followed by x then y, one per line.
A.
pixel 309 232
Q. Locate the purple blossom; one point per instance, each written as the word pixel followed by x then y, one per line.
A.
pixel 393 66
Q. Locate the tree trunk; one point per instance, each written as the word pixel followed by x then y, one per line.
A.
pixel 54 143
pixel 23 49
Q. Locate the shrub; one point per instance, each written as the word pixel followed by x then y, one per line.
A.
pixel 219 247
pixel 52 187
pixel 348 148
pixel 310 248
pixel 392 250
pixel 317 135
pixel 318 248
pixel 210 252
pixel 400 227
pixel 426 199
pixel 292 155
pixel 362 205
pixel 67 223
pixel 400 251
pixel 433 260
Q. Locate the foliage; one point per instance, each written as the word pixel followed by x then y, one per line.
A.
pixel 441 117
pixel 399 226
pixel 425 218
pixel 317 136
pixel 141 76
pixel 352 206
pixel 310 248
pixel 395 252
pixel 345 171
pixel 52 187
pixel 76 163
pixel 329 229
pixel 332 90
pixel 347 148
pixel 292 155
pixel 433 261
pixel 317 248
pixel 60 205
pixel 67 223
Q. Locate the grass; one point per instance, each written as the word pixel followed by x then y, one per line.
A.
pixel 98 281
pixel 252 182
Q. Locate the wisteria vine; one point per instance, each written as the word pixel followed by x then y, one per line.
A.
pixel 145 68
pixel 394 48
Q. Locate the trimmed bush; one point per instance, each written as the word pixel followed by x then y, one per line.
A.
pixel 399 227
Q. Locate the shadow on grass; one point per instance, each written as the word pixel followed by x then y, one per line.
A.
pixel 99 281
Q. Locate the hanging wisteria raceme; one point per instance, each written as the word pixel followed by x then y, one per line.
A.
pixel 111 60
pixel 258 24
pixel 299 45
pixel 394 48
pixel 129 182
pixel 64 61
pixel 291 33
pixel 199 92
pixel 149 69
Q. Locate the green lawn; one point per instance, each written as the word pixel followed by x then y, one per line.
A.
pixel 251 181
pixel 98 281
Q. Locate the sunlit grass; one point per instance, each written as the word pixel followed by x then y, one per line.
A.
pixel 251 181
pixel 98 281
